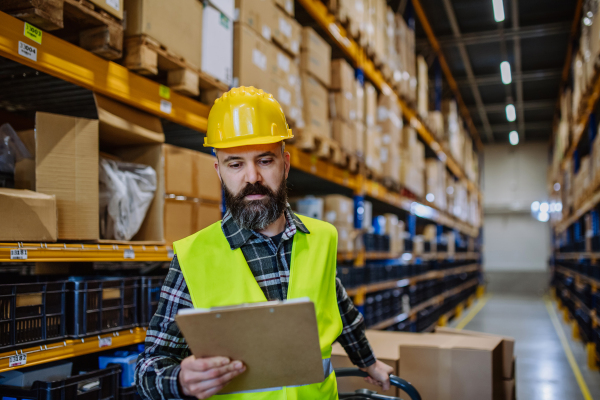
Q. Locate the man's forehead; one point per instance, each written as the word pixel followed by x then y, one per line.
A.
pixel 251 151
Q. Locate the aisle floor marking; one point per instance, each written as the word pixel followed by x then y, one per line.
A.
pixel 567 348
pixel 460 326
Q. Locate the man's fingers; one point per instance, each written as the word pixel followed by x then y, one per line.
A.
pixel 205 364
pixel 206 394
pixel 217 372
pixel 220 381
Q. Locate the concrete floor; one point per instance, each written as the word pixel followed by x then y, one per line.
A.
pixel 542 369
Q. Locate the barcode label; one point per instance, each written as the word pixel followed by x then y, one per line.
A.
pixel 129 254
pixel 105 342
pixel 166 106
pixel 18 254
pixel 17 361
pixel 27 51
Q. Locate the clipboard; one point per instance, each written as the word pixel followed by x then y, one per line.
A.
pixel 278 341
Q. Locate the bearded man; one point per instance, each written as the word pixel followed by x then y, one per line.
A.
pixel 260 251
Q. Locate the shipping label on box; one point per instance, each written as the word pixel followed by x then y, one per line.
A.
pixel 254 59
pixel 217 44
pixel 286 31
pixel 256 14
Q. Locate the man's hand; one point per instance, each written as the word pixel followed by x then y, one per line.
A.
pixel 379 374
pixel 203 377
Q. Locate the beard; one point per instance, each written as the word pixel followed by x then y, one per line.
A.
pixel 256 214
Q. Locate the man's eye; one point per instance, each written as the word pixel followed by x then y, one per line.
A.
pixel 235 165
pixel 266 161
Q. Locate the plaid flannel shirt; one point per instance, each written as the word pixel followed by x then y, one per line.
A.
pixel 158 366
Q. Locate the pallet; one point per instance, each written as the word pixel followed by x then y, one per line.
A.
pixel 147 56
pixel 76 21
pixel 322 147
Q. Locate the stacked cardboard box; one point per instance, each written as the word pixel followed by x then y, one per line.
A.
pixel 315 70
pixel 395 229
pixel 193 192
pixel 422 87
pixel 27 216
pixel 343 106
pixel 389 120
pixel 338 210
pixel 412 162
pixel 595 156
pixel 461 201
pixel 582 181
pixel 217 40
pixel 405 46
pixel 436 183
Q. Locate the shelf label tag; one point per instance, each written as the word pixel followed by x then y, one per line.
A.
pixel 18 254
pixel 33 33
pixel 27 51
pixel 17 361
pixel 164 92
pixel 166 106
pixel 128 253
pixel 105 342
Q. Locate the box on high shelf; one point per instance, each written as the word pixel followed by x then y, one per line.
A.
pixel 582 181
pixel 287 6
pixel 339 211
pixel 405 45
pixel 27 216
pixel 372 151
pixel 474 210
pixel 390 40
pixel 395 229
pixel 344 133
pixel 389 120
pixel 422 87
pixel 435 123
pixel 217 40
pixel 435 173
pixel 286 32
pixel 370 104
pixel 282 80
pixel 315 106
pixel 380 24
pixel 315 57
pixel 461 201
pixel 578 82
pixel 412 170
pixel 360 132
pixel 390 162
pixel 595 156
pixel 254 59
pixel 168 25
pixel 342 105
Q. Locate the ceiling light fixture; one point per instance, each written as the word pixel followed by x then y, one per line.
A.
pixel 505 72
pixel 498 10
pixel 513 137
pixel 511 113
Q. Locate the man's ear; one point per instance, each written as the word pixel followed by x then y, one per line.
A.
pixel 217 168
pixel 286 161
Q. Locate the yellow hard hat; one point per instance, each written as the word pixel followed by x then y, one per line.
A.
pixel 245 116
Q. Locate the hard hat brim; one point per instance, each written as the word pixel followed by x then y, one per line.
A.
pixel 248 142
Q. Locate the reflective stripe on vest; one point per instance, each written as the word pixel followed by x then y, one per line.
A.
pixel 218 276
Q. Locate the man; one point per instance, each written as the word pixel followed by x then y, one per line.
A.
pixel 260 251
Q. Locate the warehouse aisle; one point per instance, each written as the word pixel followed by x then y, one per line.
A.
pixel 543 370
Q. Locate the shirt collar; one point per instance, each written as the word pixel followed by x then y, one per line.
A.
pixel 237 236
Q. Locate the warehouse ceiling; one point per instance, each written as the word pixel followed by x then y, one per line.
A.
pixel 533 38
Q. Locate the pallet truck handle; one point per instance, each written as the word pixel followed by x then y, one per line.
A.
pixel 394 380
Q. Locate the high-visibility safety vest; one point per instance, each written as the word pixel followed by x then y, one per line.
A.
pixel 218 276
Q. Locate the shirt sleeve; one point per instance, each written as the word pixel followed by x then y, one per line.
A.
pixel 353 337
pixel 157 368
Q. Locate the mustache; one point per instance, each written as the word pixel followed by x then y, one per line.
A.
pixel 255 188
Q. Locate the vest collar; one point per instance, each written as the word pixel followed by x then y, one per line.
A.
pixel 237 237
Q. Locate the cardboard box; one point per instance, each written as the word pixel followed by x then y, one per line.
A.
pixel 191 173
pixel 113 7
pixel 339 210
pixel 453 366
pixel 186 217
pixel 343 133
pixel 282 85
pixel 345 237
pixel 295 118
pixel 342 106
pixel 286 5
pixel 390 162
pixel 310 206
pixel 254 59
pixel 360 132
pixel 27 216
pixel 137 137
pixel 178 29
pixel 315 56
pixel 370 104
pixel 508 347
pixel 372 149
pixel 315 110
pixel 66 166
pixel 217 43
pixel 342 76
pixel 257 15
pixel 286 31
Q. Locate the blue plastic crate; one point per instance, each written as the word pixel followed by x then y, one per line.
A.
pixel 127 361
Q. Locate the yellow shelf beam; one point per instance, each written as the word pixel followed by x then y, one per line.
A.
pixel 338 34
pixel 72 348
pixel 73 64
pixel 62 252
pixel 375 287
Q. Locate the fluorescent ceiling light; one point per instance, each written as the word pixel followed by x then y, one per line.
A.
pixel 535 206
pixel 498 10
pixel 513 138
pixel 544 207
pixel 543 217
pixel 505 72
pixel 511 113
pixel 430 197
pixel 556 187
